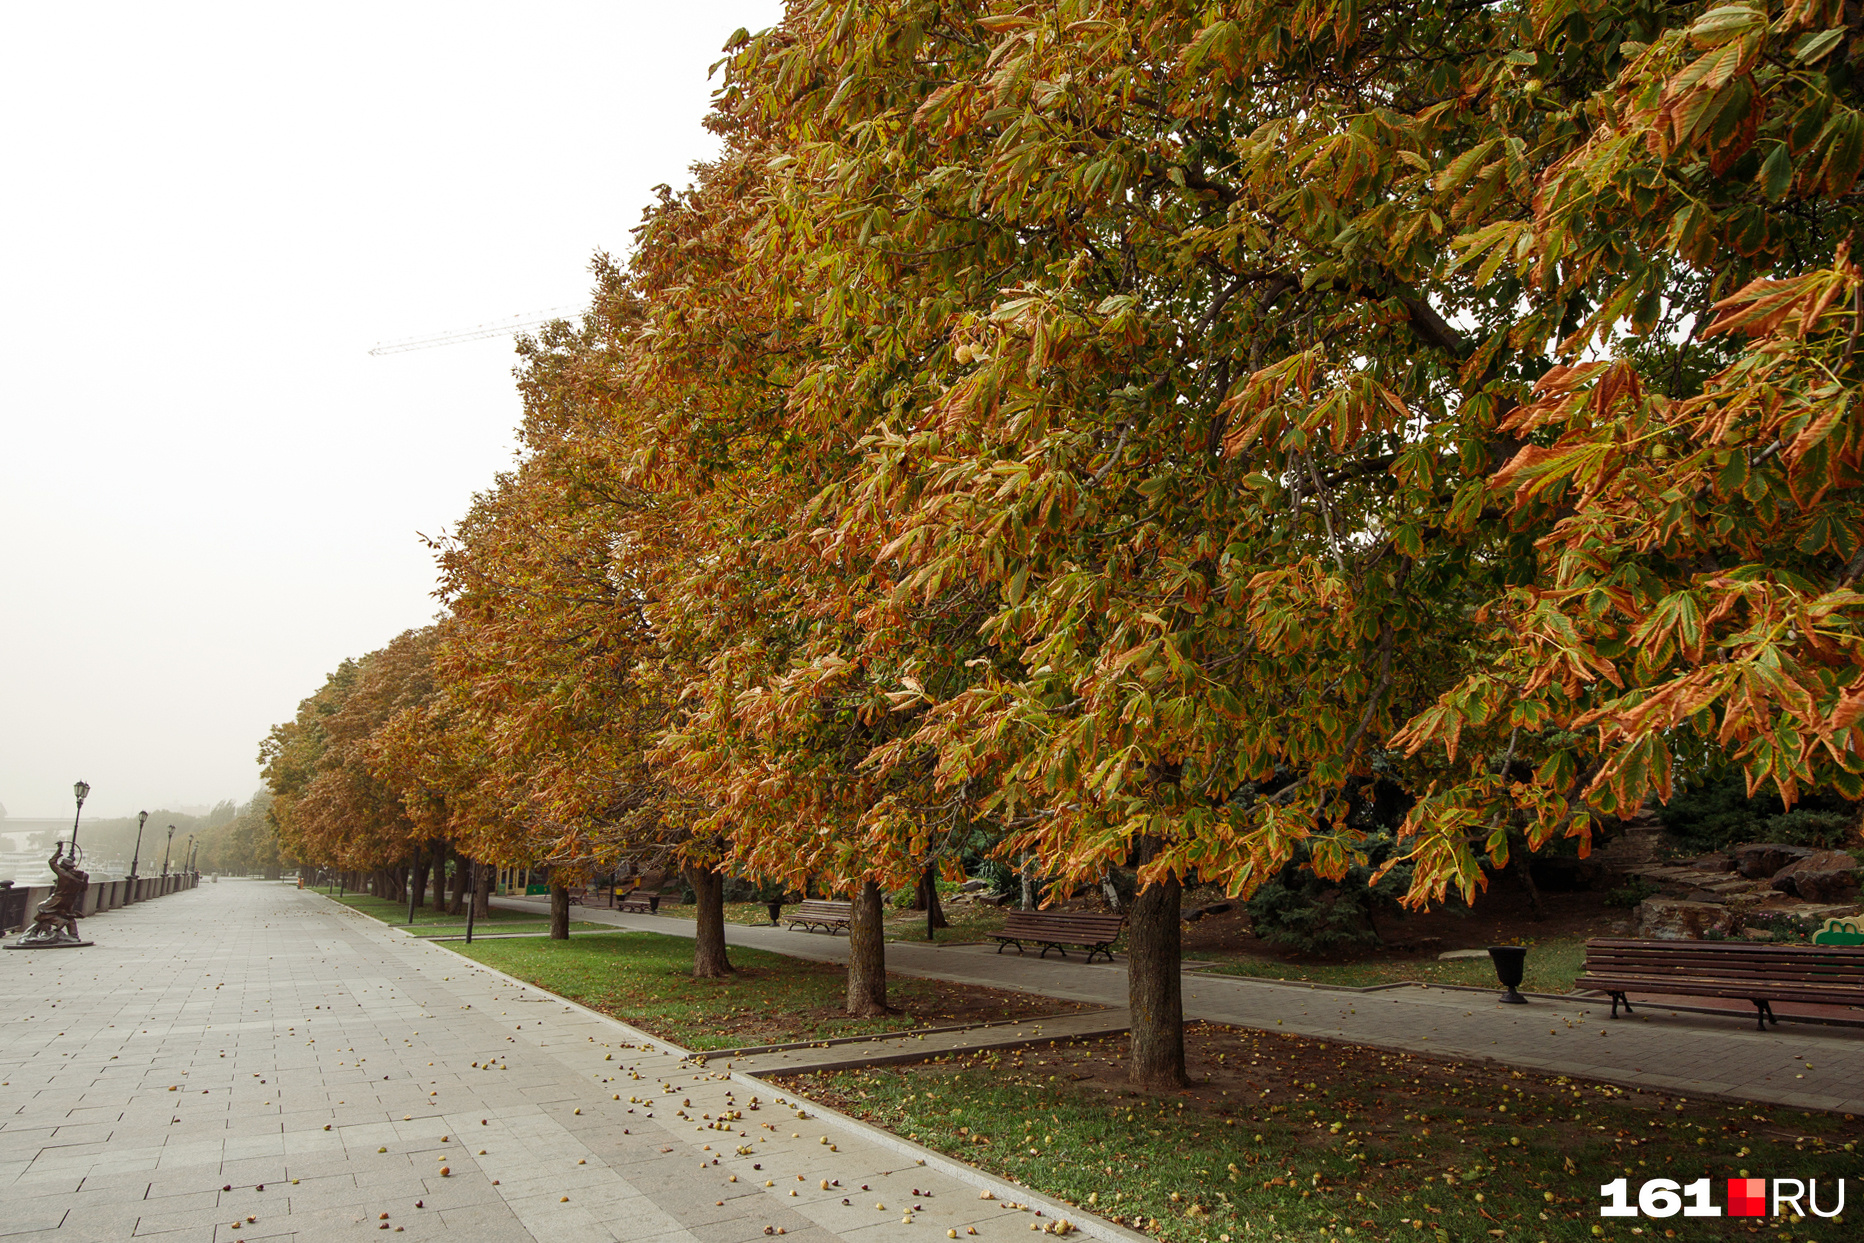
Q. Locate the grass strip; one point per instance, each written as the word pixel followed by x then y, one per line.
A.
pixel 1292 1138
pixel 390 912
pixel 503 929
pixel 646 979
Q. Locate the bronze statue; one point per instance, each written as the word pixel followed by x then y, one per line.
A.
pixel 55 924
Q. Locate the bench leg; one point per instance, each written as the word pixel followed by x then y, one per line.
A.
pixel 1004 943
pixel 1620 999
pixel 1763 1014
pixel 1099 949
pixel 1058 949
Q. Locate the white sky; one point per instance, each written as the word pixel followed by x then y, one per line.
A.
pixel 209 490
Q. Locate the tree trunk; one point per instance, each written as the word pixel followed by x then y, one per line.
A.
pixel 925 899
pixel 559 912
pixel 482 897
pixel 1154 987
pixel 456 904
pixel 1518 858
pixel 1029 889
pixel 709 960
pixel 867 955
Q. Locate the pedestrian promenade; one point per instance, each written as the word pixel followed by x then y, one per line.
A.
pixel 1803 1066
pixel 251 1061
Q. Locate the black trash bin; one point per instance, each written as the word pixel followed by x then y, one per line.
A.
pixel 1510 966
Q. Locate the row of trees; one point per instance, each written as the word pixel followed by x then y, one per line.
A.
pixel 1129 430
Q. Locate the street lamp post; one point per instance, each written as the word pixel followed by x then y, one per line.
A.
pixel 165 852
pixel 472 900
pixel 190 857
pixel 83 790
pixel 142 818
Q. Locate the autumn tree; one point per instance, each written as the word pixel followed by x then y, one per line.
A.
pixel 555 657
pixel 335 804
pixel 1227 350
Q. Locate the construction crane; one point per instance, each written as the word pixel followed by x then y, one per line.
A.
pixel 497 328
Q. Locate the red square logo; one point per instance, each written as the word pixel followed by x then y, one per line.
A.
pixel 1747 1197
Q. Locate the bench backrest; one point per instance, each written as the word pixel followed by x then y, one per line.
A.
pixel 825 906
pixel 1064 923
pixel 1725 960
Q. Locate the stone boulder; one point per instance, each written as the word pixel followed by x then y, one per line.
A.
pixel 1759 860
pixel 1717 862
pixel 1668 919
pixel 1823 876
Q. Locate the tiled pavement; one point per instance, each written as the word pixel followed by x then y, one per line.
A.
pixel 1799 1065
pixel 247 1061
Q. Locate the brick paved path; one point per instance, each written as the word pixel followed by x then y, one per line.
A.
pixel 251 1051
pixel 1803 1066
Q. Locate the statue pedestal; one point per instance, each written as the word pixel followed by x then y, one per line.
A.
pixel 60 940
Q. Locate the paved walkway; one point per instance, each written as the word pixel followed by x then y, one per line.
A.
pixel 1798 1065
pixel 248 1061
pixel 857 1051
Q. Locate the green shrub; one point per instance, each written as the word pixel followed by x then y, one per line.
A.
pixel 1313 916
pixel 1715 812
pixel 1631 893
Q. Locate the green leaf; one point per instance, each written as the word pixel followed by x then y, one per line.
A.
pixel 1725 22
pixel 1733 475
pixel 1844 156
pixel 1813 45
pixel 1463 165
pixel 1776 172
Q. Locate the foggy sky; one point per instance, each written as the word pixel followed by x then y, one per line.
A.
pixel 209 490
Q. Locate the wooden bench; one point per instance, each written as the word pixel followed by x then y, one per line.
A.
pixel 1055 930
pixel 1763 974
pixel 822 913
pixel 639 901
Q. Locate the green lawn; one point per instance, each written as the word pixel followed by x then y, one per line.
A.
pixel 1299 1139
pixel 969 922
pixel 397 912
pixel 503 928
pixel 646 979
pixel 1552 966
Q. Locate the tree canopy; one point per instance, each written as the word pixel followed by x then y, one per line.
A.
pixel 1131 429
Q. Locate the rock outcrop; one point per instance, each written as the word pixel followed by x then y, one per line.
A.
pixel 1667 919
pixel 1829 876
pixel 1759 860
